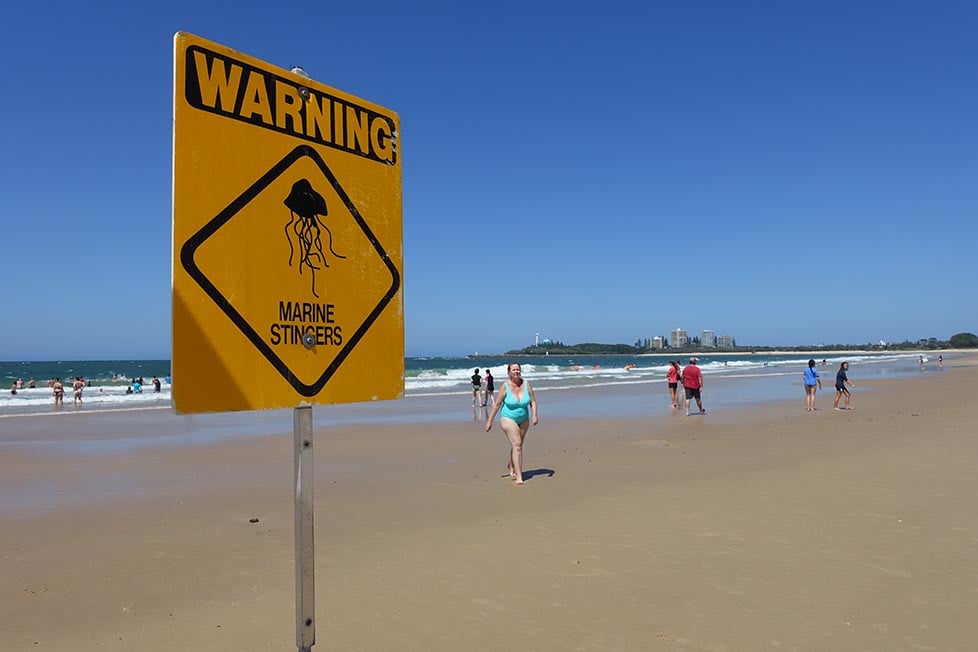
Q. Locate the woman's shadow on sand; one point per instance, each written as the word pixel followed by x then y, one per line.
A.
pixel 529 474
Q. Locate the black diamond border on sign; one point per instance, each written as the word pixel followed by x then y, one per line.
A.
pixel 190 247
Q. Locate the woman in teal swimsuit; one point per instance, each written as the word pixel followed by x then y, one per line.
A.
pixel 519 407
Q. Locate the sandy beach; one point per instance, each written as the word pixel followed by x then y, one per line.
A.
pixel 768 528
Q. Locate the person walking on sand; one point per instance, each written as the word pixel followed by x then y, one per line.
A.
pixel 841 380
pixel 519 409
pixel 490 389
pixel 672 377
pixel 59 391
pixel 812 380
pixel 476 388
pixel 693 385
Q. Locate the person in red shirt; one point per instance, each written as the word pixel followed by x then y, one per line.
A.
pixel 693 384
pixel 672 377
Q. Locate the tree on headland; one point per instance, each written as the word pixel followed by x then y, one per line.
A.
pixel 586 348
pixel 556 347
pixel 964 341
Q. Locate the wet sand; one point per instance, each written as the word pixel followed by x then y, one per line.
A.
pixel 748 529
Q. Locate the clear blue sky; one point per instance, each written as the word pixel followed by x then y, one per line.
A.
pixel 783 172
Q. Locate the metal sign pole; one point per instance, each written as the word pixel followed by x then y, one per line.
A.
pixel 305 563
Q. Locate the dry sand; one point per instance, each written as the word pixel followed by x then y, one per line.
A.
pixel 768 528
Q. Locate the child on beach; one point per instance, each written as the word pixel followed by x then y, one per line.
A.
pixel 812 381
pixel 841 380
pixel 672 377
pixel 490 389
pixel 476 389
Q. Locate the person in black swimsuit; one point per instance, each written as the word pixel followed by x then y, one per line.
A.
pixel 476 388
pixel 489 389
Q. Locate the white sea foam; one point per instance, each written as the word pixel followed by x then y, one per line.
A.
pixel 451 376
pixel 28 400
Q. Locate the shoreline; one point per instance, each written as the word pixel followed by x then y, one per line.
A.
pixel 93 429
pixel 436 381
pixel 755 527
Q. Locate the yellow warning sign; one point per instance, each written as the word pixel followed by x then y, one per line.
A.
pixel 287 242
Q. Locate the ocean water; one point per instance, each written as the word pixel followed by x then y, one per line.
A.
pixel 107 382
pixel 445 380
pixel 432 376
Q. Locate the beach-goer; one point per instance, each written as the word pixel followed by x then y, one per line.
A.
pixel 812 381
pixel 841 380
pixel 137 385
pixel 921 363
pixel 672 377
pixel 13 388
pixel 76 388
pixel 476 388
pixel 59 391
pixel 519 409
pixel 156 384
pixel 20 383
pixel 32 383
pixel 490 389
pixel 940 361
pixel 693 385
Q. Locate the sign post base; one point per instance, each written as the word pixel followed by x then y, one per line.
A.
pixel 305 552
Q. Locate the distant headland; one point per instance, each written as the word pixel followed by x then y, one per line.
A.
pixel 958 341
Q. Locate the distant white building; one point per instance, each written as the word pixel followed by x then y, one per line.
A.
pixel 708 339
pixel 725 341
pixel 679 338
pixel 657 343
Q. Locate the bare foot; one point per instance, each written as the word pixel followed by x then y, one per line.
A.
pixel 519 480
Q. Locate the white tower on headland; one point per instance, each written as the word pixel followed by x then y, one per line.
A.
pixel 536 340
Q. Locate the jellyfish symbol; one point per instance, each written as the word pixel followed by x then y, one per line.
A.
pixel 308 210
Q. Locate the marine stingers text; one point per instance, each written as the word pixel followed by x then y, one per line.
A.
pixel 219 84
pixel 296 318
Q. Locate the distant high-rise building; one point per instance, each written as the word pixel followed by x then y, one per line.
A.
pixel 725 341
pixel 679 338
pixel 657 343
pixel 708 339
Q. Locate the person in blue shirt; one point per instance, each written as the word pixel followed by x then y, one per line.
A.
pixel 812 384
